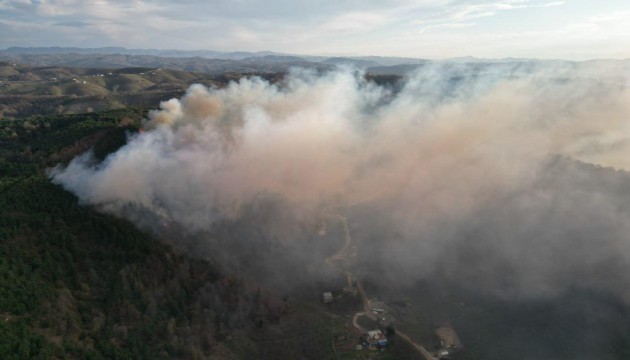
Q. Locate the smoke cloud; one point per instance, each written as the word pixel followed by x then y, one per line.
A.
pixel 459 171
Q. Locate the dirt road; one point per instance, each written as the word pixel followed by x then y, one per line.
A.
pixel 356 324
pixel 346 251
pixel 417 346
pixel 366 302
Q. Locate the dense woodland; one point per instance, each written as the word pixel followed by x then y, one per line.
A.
pixel 78 284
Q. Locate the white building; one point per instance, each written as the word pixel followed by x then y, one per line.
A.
pixel 327 297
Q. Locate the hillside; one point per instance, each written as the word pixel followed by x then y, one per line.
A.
pixel 265 64
pixel 517 278
pixel 234 55
pixel 473 292
pixel 55 90
pixel 77 284
pixel 26 90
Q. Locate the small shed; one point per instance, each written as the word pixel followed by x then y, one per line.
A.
pixel 376 339
pixel 376 305
pixel 327 297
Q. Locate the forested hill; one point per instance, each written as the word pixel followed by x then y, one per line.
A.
pixel 27 90
pixel 78 284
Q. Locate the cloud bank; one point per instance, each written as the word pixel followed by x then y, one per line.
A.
pixel 410 28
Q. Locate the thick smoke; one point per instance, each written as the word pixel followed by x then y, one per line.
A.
pixel 456 172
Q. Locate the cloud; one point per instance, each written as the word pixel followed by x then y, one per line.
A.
pixel 399 27
pixel 354 22
pixel 76 23
pixel 464 13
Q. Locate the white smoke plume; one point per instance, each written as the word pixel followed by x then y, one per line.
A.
pixel 431 157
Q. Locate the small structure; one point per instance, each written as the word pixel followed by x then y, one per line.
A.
pixel 376 340
pixel 448 337
pixel 377 306
pixel 327 298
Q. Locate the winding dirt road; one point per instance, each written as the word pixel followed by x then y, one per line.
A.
pixel 417 346
pixel 356 324
pixel 346 251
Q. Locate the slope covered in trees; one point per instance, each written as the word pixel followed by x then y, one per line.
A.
pixel 78 284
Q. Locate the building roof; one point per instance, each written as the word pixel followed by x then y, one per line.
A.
pixel 375 334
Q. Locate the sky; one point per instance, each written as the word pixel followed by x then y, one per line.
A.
pixel 567 29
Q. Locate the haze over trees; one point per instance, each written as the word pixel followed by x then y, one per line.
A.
pixel 142 217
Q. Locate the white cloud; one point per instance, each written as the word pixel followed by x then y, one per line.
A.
pixel 354 22
pixel 418 28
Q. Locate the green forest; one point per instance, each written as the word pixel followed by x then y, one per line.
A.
pixel 79 284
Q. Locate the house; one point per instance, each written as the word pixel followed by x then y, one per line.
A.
pixel 448 337
pixel 327 297
pixel 376 340
pixel 377 306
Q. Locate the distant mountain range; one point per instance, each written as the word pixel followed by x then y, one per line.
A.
pixel 218 62
pixel 211 54
pixel 270 56
pixel 264 64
